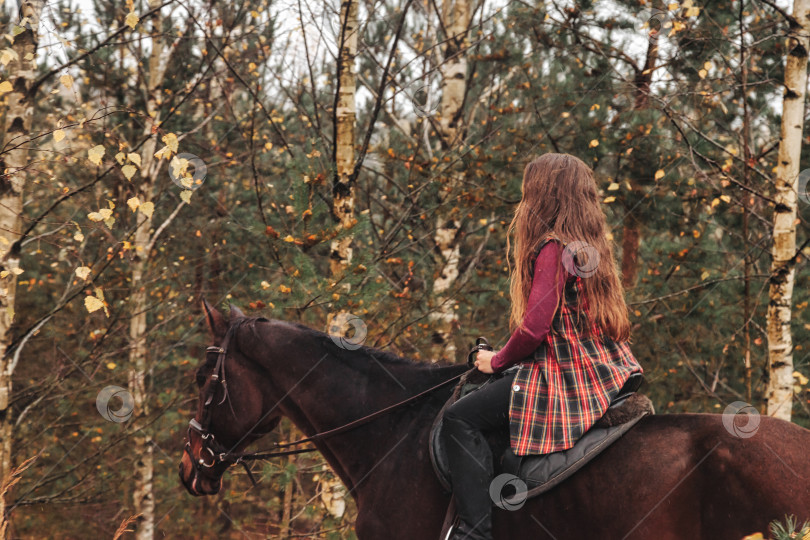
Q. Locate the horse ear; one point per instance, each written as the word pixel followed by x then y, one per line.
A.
pixel 216 322
pixel 236 313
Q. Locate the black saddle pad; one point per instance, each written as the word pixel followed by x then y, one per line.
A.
pixel 543 472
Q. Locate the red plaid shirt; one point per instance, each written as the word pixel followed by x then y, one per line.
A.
pixel 569 383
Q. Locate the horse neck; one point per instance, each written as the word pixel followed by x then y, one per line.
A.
pixel 331 387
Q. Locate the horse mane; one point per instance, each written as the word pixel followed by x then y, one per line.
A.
pixel 362 353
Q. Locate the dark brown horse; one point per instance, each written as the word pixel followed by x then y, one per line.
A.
pixel 670 477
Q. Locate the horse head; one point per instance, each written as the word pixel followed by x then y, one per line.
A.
pixel 230 413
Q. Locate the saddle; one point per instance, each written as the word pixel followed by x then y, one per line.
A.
pixel 541 473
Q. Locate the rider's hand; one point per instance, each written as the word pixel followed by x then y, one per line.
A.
pixel 483 361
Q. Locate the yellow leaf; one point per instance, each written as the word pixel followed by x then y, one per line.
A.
pixel 66 80
pixel 134 203
pixel 135 158
pixel 131 20
pixel 715 202
pixel 7 56
pixel 17 270
pixel 170 139
pixel 58 135
pixel 5 87
pixel 93 304
pixel 185 196
pixel 164 152
pixel 289 238
pixel 265 285
pixel 692 12
pixel 613 186
pixel 110 365
pixel 79 237
pixel 725 198
pixel 83 272
pixel 702 73
pixel 593 144
pixel 659 174
pixel 673 6
pixel 147 208
pixel 609 199
pixel 704 275
pixel 95 154
pixel 129 171
pixel 284 289
pixel 119 157
pixel 101 215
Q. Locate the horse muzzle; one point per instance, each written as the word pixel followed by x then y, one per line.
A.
pixel 195 482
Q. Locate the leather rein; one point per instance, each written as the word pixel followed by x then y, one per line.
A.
pixel 217 453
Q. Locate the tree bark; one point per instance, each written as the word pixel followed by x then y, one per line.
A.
pixel 19 114
pixel 456 17
pixel 343 190
pixel 780 343
pixel 631 241
pixel 142 494
pixel 631 229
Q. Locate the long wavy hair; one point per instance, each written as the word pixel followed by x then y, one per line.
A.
pixel 560 200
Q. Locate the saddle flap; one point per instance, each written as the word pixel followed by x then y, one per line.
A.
pixel 543 472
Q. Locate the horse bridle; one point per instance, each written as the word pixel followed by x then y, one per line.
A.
pixel 218 454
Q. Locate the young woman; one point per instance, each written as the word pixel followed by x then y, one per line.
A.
pixel 568 355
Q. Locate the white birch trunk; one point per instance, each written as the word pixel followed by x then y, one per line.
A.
pixel 143 498
pixel 780 343
pixel 343 200
pixel 21 73
pixel 456 16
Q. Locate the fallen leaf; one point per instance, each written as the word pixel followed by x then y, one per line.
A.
pixel 185 195
pixel 58 135
pixel 83 272
pixel 5 87
pixel 133 203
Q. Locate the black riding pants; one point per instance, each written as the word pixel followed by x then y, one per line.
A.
pixel 469 456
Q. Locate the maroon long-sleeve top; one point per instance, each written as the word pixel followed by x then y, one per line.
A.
pixel 540 307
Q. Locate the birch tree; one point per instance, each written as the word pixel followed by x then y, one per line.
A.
pixel 344 125
pixel 18 80
pixel 780 344
pixel 456 17
pixel 144 239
